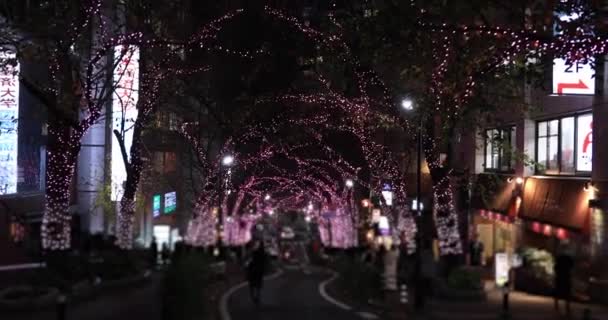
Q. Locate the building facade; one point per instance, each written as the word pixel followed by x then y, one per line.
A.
pixel 541 178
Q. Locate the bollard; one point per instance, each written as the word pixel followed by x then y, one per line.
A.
pixel 403 294
pixel 505 301
pixel 61 307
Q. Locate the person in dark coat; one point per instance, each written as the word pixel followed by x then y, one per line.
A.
pixel 153 253
pixel 255 272
pixel 563 266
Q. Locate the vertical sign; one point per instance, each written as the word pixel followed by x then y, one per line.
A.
pixel 575 78
pixel 9 114
pixel 584 145
pixel 501 268
pixel 124 110
pixel 156 205
pixel 170 202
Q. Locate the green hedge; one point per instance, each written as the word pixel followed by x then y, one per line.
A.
pixel 465 279
pixel 184 288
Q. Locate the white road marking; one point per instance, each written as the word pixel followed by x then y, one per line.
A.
pixel 327 297
pixel 224 313
pixel 367 315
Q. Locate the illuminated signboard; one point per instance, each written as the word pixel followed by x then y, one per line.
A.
pixel 384 226
pixel 584 131
pixel 387 193
pixel 575 78
pixel 170 202
pixel 156 205
pixel 9 113
pixel 501 268
pixel 124 110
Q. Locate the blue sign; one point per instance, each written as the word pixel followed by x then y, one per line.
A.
pixel 156 205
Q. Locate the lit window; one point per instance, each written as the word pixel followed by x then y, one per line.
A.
pixel 564 146
pixel 499 148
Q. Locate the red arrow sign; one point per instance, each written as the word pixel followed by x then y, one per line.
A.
pixel 579 85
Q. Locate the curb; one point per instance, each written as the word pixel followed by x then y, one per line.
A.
pixel 328 298
pixel 223 304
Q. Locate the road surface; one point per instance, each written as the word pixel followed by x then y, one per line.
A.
pixel 292 296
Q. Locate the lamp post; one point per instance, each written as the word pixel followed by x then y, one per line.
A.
pixel 408 106
pixel 227 161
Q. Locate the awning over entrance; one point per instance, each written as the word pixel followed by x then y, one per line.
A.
pixel 559 202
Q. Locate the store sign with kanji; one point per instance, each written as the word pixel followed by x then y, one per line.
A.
pixel 9 114
pixel 124 110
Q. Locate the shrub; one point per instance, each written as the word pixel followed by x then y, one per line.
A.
pixel 465 279
pixel 540 262
pixel 184 288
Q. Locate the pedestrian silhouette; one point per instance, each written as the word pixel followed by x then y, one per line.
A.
pixel 153 253
pixel 255 272
pixel 563 266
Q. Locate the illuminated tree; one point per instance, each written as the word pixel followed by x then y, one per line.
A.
pixel 459 61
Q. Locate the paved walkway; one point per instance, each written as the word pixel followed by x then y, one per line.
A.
pixel 522 306
pixel 130 304
pixel 293 296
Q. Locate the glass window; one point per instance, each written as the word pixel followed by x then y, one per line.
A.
pixel 158 161
pixel 542 152
pixel 488 151
pixel 170 162
pixel 499 148
pixel 173 121
pixel 564 145
pixel 548 145
pixel 567 136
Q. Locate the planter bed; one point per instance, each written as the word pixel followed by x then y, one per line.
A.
pixel 80 292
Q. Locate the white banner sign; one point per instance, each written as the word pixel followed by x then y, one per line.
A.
pixel 574 78
pixel 124 110
pixel 578 78
pixel 9 114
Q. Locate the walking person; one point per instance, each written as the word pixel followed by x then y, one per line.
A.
pixel 153 253
pixel 476 251
pixel 424 271
pixel 564 263
pixel 165 254
pixel 255 272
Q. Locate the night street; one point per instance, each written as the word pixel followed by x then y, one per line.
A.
pixel 376 159
pixel 293 296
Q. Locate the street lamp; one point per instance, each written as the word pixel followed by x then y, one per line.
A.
pixel 227 161
pixel 349 183
pixel 408 105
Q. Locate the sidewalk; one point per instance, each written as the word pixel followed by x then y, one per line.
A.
pixel 521 306
pixel 138 303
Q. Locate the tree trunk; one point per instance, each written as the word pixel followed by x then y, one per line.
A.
pixel 446 217
pixel 56 222
pixel 126 216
